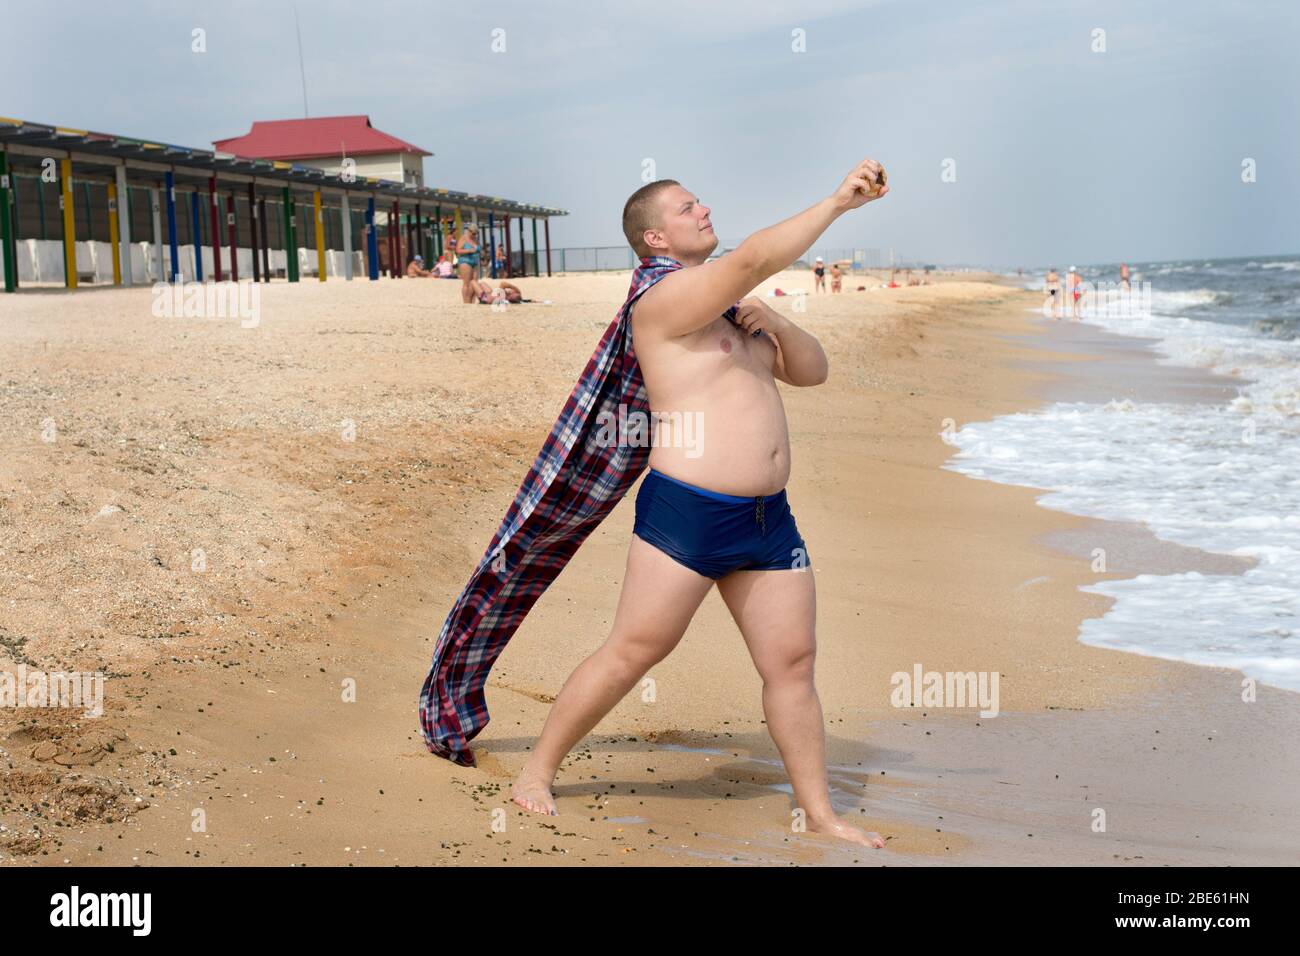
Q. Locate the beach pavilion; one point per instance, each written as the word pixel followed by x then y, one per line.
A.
pixel 79 207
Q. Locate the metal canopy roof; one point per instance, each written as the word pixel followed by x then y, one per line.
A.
pixel 202 163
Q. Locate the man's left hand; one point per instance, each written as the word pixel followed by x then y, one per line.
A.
pixel 754 315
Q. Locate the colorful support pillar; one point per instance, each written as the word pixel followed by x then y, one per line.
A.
pixel 69 224
pixel 492 244
pixel 112 233
pixel 15 224
pixel 155 213
pixel 506 230
pixel 523 247
pixel 6 230
pixel 40 204
pixel 252 231
pixel 537 259
pixel 388 243
pixel 232 232
pixel 90 219
pixel 345 217
pixel 290 239
pixel 413 232
pixel 320 234
pixel 395 242
pixel 266 245
pixel 124 225
pixel 546 225
pixel 372 242
pixel 216 227
pixel 196 235
pixel 437 233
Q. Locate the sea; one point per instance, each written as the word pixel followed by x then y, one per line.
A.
pixel 1223 478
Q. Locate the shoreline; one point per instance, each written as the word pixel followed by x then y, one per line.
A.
pixel 368 542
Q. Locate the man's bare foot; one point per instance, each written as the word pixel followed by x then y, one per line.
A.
pixel 834 826
pixel 533 793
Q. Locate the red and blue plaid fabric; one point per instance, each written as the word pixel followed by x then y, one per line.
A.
pixel 575 482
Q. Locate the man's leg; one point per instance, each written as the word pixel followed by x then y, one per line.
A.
pixel 658 600
pixel 776 612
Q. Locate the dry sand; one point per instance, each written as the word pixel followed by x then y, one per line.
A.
pixel 341 467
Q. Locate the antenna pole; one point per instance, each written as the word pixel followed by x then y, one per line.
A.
pixel 302 69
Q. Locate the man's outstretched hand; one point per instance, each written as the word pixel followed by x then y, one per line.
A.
pixel 866 183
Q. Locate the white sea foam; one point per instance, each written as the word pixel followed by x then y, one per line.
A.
pixel 1221 478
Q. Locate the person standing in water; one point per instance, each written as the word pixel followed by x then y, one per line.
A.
pixel 1052 293
pixel 1074 282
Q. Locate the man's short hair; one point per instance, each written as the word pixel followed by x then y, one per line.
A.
pixel 641 212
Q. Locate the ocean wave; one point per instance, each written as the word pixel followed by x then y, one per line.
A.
pixel 1202 476
pixel 1188 298
pixel 1222 478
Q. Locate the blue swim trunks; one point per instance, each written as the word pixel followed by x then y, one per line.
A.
pixel 714 534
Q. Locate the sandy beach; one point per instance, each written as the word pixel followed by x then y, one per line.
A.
pixel 256 533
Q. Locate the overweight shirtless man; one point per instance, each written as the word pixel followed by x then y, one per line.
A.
pixel 718 517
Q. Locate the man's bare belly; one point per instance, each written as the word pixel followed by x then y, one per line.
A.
pixel 721 421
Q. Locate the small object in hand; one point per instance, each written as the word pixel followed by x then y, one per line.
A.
pixel 881 180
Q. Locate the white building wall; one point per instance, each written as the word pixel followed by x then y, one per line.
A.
pixel 397 167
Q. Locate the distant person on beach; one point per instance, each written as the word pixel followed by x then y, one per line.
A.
pixel 819 275
pixel 1052 292
pixel 1074 282
pixel 444 268
pixel 1123 275
pixel 911 279
pixel 467 251
pixel 717 517
pixel 508 292
pixel 415 268
pixel 836 277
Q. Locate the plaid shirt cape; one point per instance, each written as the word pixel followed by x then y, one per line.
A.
pixel 577 479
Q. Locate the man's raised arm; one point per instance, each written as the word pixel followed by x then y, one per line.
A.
pixel 691 298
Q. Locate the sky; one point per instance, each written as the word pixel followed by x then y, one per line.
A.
pixel 1010 135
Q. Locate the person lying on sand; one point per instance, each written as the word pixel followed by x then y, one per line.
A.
pixel 720 517
pixel 508 292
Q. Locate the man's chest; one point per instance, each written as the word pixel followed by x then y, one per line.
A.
pixel 712 355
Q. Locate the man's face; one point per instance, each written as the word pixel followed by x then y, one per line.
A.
pixel 686 232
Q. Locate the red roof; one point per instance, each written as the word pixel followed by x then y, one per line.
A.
pixel 315 137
